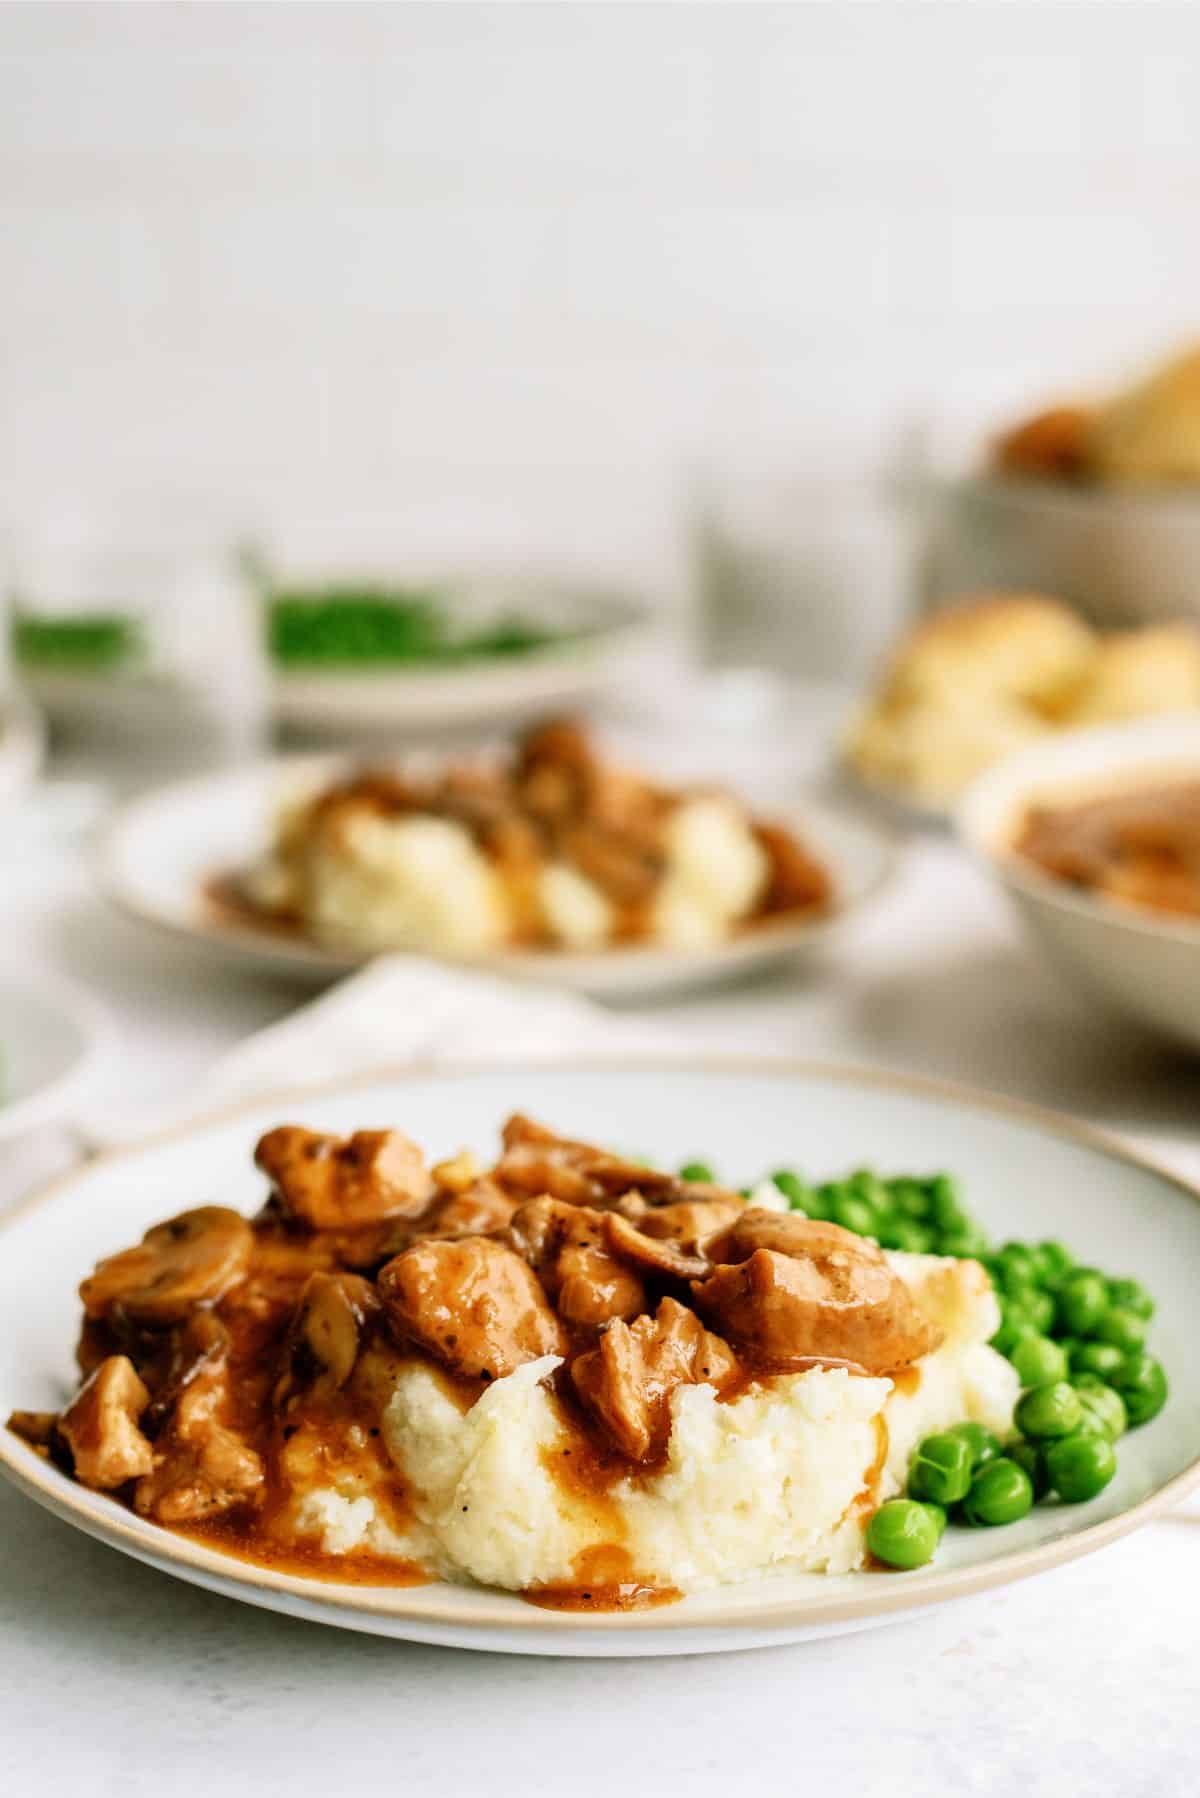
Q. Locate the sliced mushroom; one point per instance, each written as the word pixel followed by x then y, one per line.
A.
pixel 202 1467
pixel 332 1319
pixel 691 1224
pixel 647 1251
pixel 101 1426
pixel 789 1234
pixel 38 1428
pixel 628 1378
pixel 473 1304
pixel 338 1183
pixel 568 1248
pixel 785 1310
pixel 481 1208
pixel 191 1260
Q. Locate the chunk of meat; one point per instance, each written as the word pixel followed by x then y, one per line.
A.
pixel 554 766
pixel 628 1378
pixel 191 1260
pixel 38 1428
pixel 201 1466
pixel 658 1254
pixel 567 1247
pixel 786 1310
pixel 536 1161
pixel 796 881
pixel 472 1303
pixel 337 1182
pixel 482 1208
pixel 335 1312
pixel 101 1426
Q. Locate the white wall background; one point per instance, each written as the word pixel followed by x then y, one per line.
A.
pixel 517 267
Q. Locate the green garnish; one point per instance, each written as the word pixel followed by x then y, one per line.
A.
pixel 96 643
pixel 387 627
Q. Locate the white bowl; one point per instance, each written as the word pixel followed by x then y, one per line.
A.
pixel 50 1036
pixel 1141 964
pixel 1122 556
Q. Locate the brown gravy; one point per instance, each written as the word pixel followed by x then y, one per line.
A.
pixel 1140 848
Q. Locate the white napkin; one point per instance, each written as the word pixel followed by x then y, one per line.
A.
pixel 398 1010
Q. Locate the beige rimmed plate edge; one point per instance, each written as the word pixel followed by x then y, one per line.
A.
pixel 105 1520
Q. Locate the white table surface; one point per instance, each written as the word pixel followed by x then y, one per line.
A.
pixel 116 1680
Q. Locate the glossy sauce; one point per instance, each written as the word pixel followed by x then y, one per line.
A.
pixel 605 1581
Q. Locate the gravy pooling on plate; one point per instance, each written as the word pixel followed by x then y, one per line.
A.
pixel 1141 847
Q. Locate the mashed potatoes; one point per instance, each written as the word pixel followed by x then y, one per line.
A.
pixel 783 1477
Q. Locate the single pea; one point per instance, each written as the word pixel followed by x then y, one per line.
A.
pixel 940 1470
pixel 697 1170
pixel 1103 1406
pixel 903 1533
pixel 1056 1261
pixel 1131 1295
pixel 821 1204
pixel 946 1202
pixel 1038 1361
pixel 1040 1306
pixel 907 1234
pixel 983 1443
pixel 1124 1329
pixel 1142 1383
pixel 866 1184
pixel 1101 1358
pixel 1051 1410
pixel 1001 1492
pixel 1079 1466
pixel 1082 1302
pixel 910 1198
pixel 855 1214
pixel 798 1193
pixel 1017 1266
pixel 1015 1322
pixel 1032 1457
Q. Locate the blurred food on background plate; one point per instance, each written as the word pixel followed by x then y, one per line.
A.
pixel 547 846
pixel 991 675
pixel 362 625
pixel 1139 846
pixel 1148 433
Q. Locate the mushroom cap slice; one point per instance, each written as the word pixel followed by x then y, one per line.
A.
pixel 333 1314
pixel 189 1260
pixel 784 1311
pixel 472 1304
pixel 339 1182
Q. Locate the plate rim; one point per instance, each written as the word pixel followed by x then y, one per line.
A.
pixel 778 935
pixel 398 1605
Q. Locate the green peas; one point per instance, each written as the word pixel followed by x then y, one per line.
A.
pixel 1142 1383
pixel 1040 1307
pixel 911 1199
pixel 1124 1329
pixel 820 1206
pixel 1001 1492
pixel 798 1193
pixel 1101 1358
pixel 1082 1302
pixel 966 1244
pixel 1032 1457
pixel 1056 1262
pixel 1039 1361
pixel 854 1213
pixel 1015 1322
pixel 940 1471
pixel 1131 1295
pixel 1016 1267
pixel 697 1170
pixel 945 1203
pixel 1103 1407
pixel 907 1234
pixel 984 1446
pixel 1051 1410
pixel 1080 1466
pixel 904 1534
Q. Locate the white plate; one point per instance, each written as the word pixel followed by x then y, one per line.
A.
pixel 162 849
pixel 49 1036
pixel 1142 965
pixel 1026 1173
